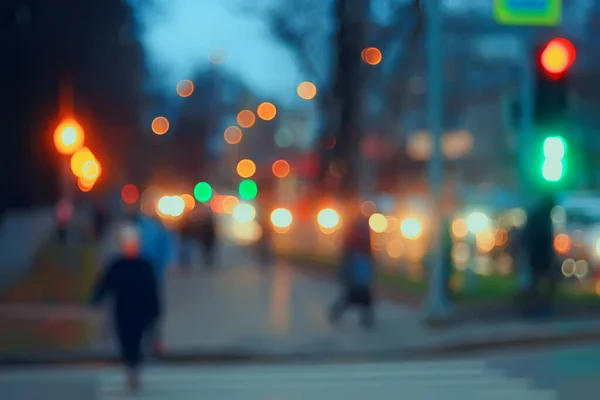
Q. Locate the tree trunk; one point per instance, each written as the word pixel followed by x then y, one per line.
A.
pixel 348 89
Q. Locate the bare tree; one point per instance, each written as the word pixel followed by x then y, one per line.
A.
pixel 318 30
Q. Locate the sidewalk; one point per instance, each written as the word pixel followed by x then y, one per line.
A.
pixel 243 311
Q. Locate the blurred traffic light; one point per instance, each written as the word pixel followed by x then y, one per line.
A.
pixel 554 149
pixel 68 136
pixel 551 95
pixel 248 189
pixel 557 56
pixel 203 192
pixel 551 104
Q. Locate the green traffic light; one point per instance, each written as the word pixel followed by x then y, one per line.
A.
pixel 555 148
pixel 552 170
pixel 248 189
pixel 203 192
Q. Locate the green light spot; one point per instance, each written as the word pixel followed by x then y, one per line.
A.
pixel 248 189
pixel 203 192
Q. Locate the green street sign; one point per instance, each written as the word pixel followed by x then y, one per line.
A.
pixel 528 12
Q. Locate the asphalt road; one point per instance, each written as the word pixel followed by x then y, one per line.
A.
pixel 571 371
pixel 451 380
pixel 568 373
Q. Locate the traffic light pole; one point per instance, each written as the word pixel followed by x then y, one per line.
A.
pixel 525 142
pixel 437 305
pixel 527 121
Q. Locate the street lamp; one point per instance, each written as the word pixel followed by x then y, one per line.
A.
pixel 68 136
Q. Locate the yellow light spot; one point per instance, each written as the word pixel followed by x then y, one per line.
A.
pixel 307 90
pixel 378 222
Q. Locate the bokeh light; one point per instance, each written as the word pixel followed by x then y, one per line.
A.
pixel 229 204
pixel 307 90
pixel 130 193
pixel 459 228
pixel 378 222
pixel 79 158
pixel 281 168
pixel 203 192
pixel 91 169
pixel 266 111
pixel 562 243
pixel 246 168
pixel 248 189
pixel 216 203
pixel 85 185
pixel 87 182
pixel 281 218
pixel 411 228
pixel 244 213
pixel 328 218
pixel 172 206
pixel 68 136
pixel 246 119
pixel 233 135
pixel 558 56
pixel 371 55
pixel 477 222
pixel 189 201
pixel 160 125
pixel 185 88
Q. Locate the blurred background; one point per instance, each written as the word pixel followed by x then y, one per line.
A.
pixel 272 115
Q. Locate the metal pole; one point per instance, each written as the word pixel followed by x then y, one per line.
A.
pixel 526 132
pixel 437 303
pixel 525 142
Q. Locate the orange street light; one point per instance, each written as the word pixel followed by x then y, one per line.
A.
pixel 68 136
pixel 85 185
pixel 91 170
pixel 79 158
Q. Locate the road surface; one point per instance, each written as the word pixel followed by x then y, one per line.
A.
pixel 449 380
pixel 568 373
pixel 243 306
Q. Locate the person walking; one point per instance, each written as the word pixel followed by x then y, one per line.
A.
pixel 539 237
pixel 356 273
pixel 208 237
pixel 157 245
pixel 131 282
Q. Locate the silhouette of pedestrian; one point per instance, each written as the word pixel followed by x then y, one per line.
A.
pixel 356 272
pixel 132 283
pixel 539 237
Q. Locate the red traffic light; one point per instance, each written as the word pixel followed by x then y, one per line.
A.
pixel 556 58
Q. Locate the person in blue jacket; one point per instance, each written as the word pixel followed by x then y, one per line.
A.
pixel 356 273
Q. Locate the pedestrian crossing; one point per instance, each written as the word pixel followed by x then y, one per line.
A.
pixel 448 380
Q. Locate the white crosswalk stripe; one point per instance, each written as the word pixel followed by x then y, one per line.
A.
pixel 464 380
